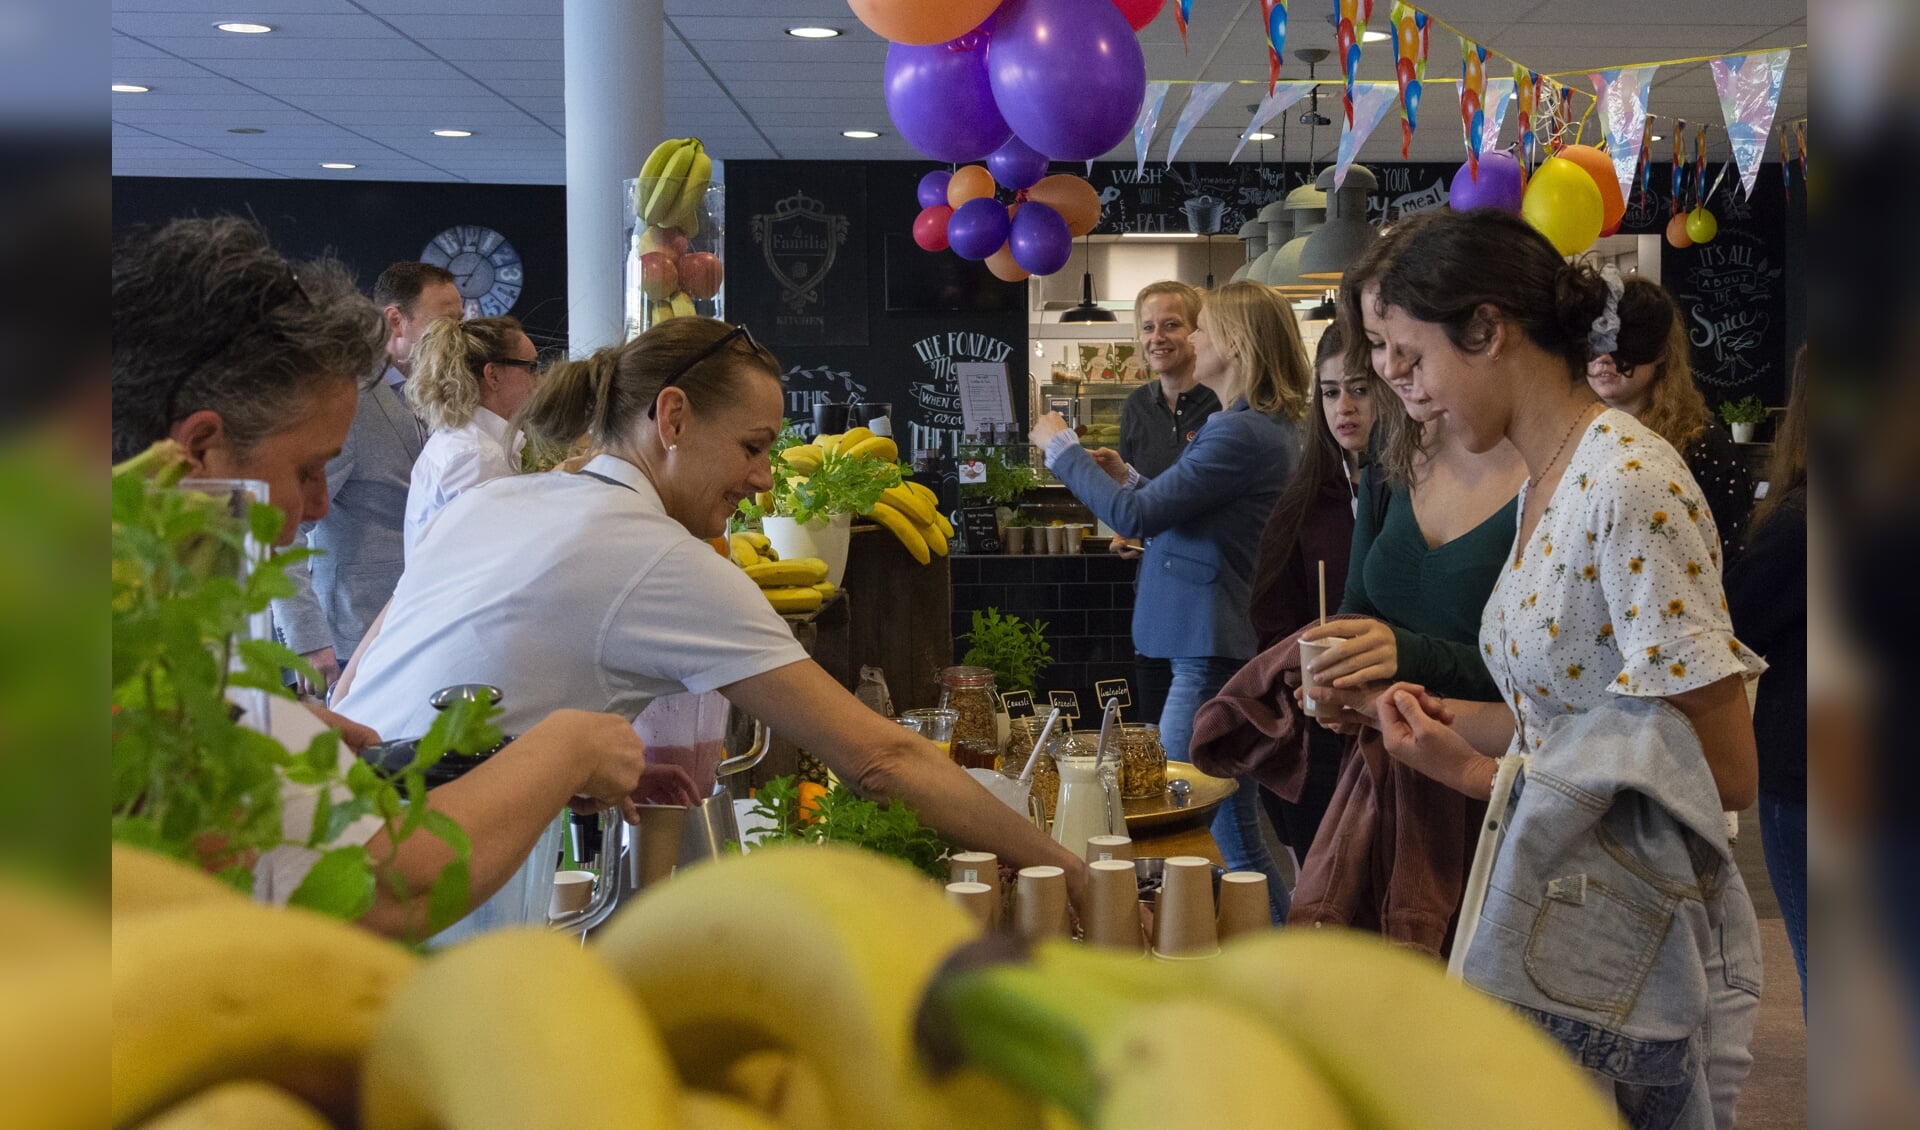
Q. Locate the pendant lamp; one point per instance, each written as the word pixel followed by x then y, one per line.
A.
pixel 1086 311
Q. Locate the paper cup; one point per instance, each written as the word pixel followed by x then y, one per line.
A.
pixel 1113 905
pixel 1040 903
pixel 1311 650
pixel 977 899
pixel 1244 908
pixel 977 867
pixel 572 892
pixel 1184 924
pixel 1109 847
pixel 656 843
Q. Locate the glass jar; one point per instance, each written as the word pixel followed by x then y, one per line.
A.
pixel 1021 734
pixel 970 693
pixel 1143 762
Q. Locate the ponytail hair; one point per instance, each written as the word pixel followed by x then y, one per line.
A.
pixel 605 396
pixel 450 361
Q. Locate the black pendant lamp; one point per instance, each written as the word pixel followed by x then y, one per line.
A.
pixel 1086 311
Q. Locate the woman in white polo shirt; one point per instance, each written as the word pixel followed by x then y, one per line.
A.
pixel 469 378
pixel 595 590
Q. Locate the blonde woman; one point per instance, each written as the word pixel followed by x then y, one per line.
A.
pixel 469 378
pixel 1202 519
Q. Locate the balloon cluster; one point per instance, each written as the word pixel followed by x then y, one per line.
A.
pixel 1016 83
pixel 1573 198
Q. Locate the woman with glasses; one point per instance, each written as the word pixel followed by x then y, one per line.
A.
pixel 598 591
pixel 469 378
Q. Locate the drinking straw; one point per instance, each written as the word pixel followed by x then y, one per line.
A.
pixel 1026 774
pixel 1323 592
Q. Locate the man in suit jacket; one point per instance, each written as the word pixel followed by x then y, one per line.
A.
pixel 340 592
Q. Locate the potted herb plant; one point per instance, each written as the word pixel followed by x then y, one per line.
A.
pixel 818 488
pixel 1014 649
pixel 1007 482
pixel 1742 416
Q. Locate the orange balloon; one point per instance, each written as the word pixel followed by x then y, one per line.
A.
pixel 1003 267
pixel 1599 166
pixel 919 22
pixel 1072 197
pixel 1677 231
pixel 970 182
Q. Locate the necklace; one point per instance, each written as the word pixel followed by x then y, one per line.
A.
pixel 1564 440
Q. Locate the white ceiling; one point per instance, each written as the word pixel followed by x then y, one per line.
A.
pixel 365 81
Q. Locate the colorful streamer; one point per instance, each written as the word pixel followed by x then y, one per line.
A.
pixel 1370 107
pixel 1623 117
pixel 1473 83
pixel 1526 88
pixel 1646 160
pixel 1749 89
pixel 1147 123
pixel 1349 33
pixel 1800 138
pixel 1700 165
pixel 1786 166
pixel 1202 98
pixel 1282 97
pixel 1410 66
pixel 1499 95
pixel 1182 9
pixel 1273 14
pixel 1679 162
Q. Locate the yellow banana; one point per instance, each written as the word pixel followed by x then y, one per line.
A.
pixel 793 598
pixel 903 529
pixel 937 543
pixel 805 571
pixel 855 435
pixel 712 956
pixel 246 1104
pixel 826 589
pixel 682 305
pixel 759 541
pixel 805 458
pixel 878 447
pixel 764 500
pixel 661 313
pixel 145 880
pixel 702 1110
pixel 516 1030
pixel 206 993
pixel 58 1015
pixel 662 153
pixel 741 551
pixel 933 502
pixel 827 444
pixel 782 1086
pixel 908 503
pixel 666 191
pixel 645 197
pixel 693 195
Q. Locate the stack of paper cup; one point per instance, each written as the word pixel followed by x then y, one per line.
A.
pixel 1113 905
pixel 1183 927
pixel 1243 904
pixel 1109 847
pixel 978 867
pixel 977 899
pixel 1040 904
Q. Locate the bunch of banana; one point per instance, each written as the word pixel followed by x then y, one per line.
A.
pixel 750 547
pixel 673 185
pixel 912 513
pixel 796 585
pixel 1354 1031
pixel 1100 435
pixel 858 443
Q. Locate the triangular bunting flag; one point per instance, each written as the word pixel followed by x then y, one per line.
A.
pixel 1749 88
pixel 1148 122
pixel 1623 117
pixel 1283 96
pixel 1204 95
pixel 1473 117
pixel 1409 66
pixel 1370 105
pixel 1526 90
pixel 1273 14
pixel 1499 95
pixel 1348 34
pixel 1182 9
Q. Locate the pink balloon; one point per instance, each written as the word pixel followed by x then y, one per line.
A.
pixel 930 227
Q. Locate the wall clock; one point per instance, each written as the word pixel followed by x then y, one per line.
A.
pixel 485 267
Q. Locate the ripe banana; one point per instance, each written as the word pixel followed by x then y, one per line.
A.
pixel 665 194
pixel 206 993
pixel 702 1110
pixel 713 957
pixel 855 435
pixel 933 502
pixel 246 1104
pixel 806 458
pixel 145 880
pixel 781 1086
pixel 903 529
pixel 909 503
pixel 799 571
pixel 936 541
pixel 760 542
pixel 827 444
pixel 741 551
pixel 793 598
pixel 693 195
pixel 57 1018
pixel 682 305
pixel 879 447
pixel 826 589
pixel 515 1030
pixel 650 172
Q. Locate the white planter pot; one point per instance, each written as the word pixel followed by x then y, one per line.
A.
pixel 825 538
pixel 1742 433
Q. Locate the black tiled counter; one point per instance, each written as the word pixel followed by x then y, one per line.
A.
pixel 1086 601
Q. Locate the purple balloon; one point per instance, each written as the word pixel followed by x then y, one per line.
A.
pixel 978 228
pixel 1498 186
pixel 1039 239
pixel 1015 165
pixel 941 100
pixel 1067 75
pixel 933 188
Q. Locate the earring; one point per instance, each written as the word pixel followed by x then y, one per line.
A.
pixel 672 447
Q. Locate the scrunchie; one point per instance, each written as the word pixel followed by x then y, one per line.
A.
pixel 1605 333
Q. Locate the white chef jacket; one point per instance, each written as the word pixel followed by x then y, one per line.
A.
pixel 454 459
pixel 563 591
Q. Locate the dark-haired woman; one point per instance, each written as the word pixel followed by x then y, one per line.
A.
pixel 1611 593
pixel 598 591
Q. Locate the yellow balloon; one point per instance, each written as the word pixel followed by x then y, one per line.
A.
pixel 1701 226
pixel 1563 204
pixel 970 182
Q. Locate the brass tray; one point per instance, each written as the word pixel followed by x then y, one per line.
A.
pixel 1163 809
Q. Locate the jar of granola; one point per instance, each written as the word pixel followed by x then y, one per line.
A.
pixel 1021 735
pixel 970 693
pixel 1143 762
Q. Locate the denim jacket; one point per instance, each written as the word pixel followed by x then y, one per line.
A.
pixel 1614 900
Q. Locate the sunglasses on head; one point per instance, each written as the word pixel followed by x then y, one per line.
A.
pixel 736 333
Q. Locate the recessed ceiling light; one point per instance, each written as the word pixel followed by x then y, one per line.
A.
pixel 453 133
pixel 1374 37
pixel 1257 135
pixel 859 134
pixel 814 32
pixel 246 129
pixel 337 165
pixel 1656 137
pixel 129 88
pixel 243 28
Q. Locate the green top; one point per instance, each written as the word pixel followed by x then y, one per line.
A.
pixel 1432 598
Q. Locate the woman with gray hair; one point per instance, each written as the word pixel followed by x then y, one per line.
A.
pixel 468 380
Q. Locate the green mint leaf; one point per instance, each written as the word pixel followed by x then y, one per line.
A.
pixel 447 898
pixel 265 522
pixel 448 831
pixel 340 884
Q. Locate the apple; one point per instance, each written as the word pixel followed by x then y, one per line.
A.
pixel 670 241
pixel 659 278
pixel 701 274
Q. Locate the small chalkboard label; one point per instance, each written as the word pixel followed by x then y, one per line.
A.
pixel 1108 689
pixel 981 529
pixel 1017 704
pixel 1066 702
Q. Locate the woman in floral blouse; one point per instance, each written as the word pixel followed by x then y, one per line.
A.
pixel 1613 582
